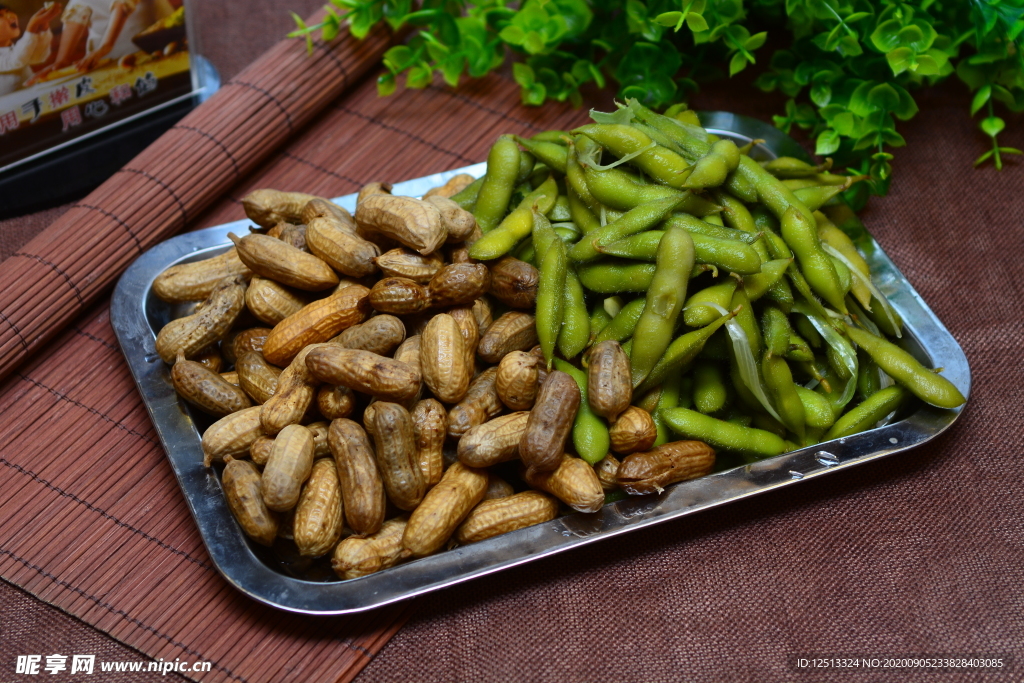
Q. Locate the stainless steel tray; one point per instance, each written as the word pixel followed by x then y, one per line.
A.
pixel 136 315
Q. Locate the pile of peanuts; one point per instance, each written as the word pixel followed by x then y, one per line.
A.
pixel 379 376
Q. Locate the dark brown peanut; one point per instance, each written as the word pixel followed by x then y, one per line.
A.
pixel 497 487
pixel 609 383
pixel 318 515
pixel 443 359
pixel 458 284
pixel 205 389
pixel 514 282
pixel 479 405
pixel 633 431
pixel 516 380
pixel 249 340
pixel 444 507
pixel 363 371
pixel 317 322
pixel 502 515
pixel 210 358
pixel 287 469
pixel 195 332
pixel 551 420
pixel 257 377
pixel 381 334
pixel 335 402
pixel 607 471
pixel 429 424
pixel 494 441
pixel 362 489
pixel 575 483
pixel 355 557
pixel 406 263
pixel 241 484
pixel 396 455
pixel 399 295
pixel 514 331
pixel 231 435
pixel 653 470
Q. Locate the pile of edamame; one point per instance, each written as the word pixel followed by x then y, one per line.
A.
pixel 750 319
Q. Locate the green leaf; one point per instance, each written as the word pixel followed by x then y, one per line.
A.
pixel 827 143
pixel 523 74
pixel 1010 150
pixel 980 98
pixel 670 19
pixel 821 94
pixel 513 35
pixel 696 22
pixel 755 41
pixel 737 63
pixel 984 157
pixel 883 97
pixel 418 77
pixel 386 84
pixel 992 126
pixel 533 43
pixel 900 59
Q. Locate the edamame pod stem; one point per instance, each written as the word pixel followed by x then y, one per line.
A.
pixel 665 300
pixel 817 196
pixel 624 323
pixel 801 235
pixel 730 255
pixel 660 163
pixel 928 386
pixel 589 431
pixel 668 398
pixel 575 332
pixel 770 190
pixel 614 276
pixel 500 181
pixel 633 221
pixel 798 349
pixel 551 297
pixel 468 196
pixel 552 154
pixel 866 415
pixel 709 391
pixel 721 434
pixel 680 353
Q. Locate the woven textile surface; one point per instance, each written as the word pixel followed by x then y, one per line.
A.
pixel 917 554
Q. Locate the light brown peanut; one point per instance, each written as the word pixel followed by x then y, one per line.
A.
pixel 205 389
pixel 195 332
pixel 514 331
pixel 341 249
pixel 497 487
pixel 267 207
pixel 362 489
pixel 607 471
pixel 516 380
pixel 514 282
pixel 502 515
pixel 494 441
pixel 296 388
pixel 429 425
pixel 231 378
pixel 463 316
pixel 551 420
pixel 257 377
pixel 231 435
pixel 364 371
pixel 370 189
pixel 289 466
pixel 399 295
pixel 324 208
pixel 295 235
pixel 482 312
pixel 195 281
pixel 260 450
pixel 318 515
pixel 609 383
pixel 575 483
pixel 272 302
pixel 459 223
pixel 317 322
pixel 355 557
pixel 396 455
pixel 443 359
pixel 381 334
pixel 408 352
pixel 321 449
pixel 252 339
pixel 271 258
pixel 335 402
pixel 241 484
pixel 455 185
pixel 479 405
pixel 409 264
pixel 444 507
pixel 458 284
pixel 411 222
pixel 633 431
pixel 653 470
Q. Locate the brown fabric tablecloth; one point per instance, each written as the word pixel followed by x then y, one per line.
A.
pixel 920 554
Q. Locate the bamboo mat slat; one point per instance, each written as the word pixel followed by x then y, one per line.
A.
pixel 95 523
pixel 63 270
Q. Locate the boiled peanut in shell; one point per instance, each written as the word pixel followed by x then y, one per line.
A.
pixel 551 420
pixel 653 470
pixel 502 515
pixel 363 371
pixel 355 557
pixel 205 389
pixel 288 467
pixel 362 489
pixel 193 333
pixel 241 484
pixel 318 516
pixel 444 507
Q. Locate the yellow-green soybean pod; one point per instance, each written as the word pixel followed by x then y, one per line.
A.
pixel 589 432
pixel 551 297
pixel 613 276
pixel 725 435
pixel 575 332
pixel 697 312
pixel 866 415
pixel 680 353
pixel 622 325
pixel 658 162
pixel 503 163
pixel 928 386
pixel 671 390
pixel 709 390
pixel 817 409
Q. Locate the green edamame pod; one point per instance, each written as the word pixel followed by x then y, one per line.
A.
pixel 773 272
pixel 869 379
pixel 716 219
pixel 781 293
pixel 735 213
pixel 928 386
pixel 712 169
pixel 599 319
pixel 526 163
pixel 697 314
pixel 696 226
pixel 680 353
pixel 747 320
pixel 551 297
pixel 668 398
pixel 777 331
pixel 778 380
pixel 791 167
pixel 709 391
pixel 866 415
pixel 718 348
pixel 845 279
pixel 817 409
pixel 618 189
pixel 551 154
pixel 575 332
pixel 798 349
pixel 741 187
pixel 665 299
pixel 770 190
pixel 808 332
pixel 818 196
pixel 801 234
pixel 633 221
pixel 659 137
pixel 658 162
pixel 500 181
pixel 841 242
pixel 560 212
pixel 727 254
pixel 580 214
pixel 722 434
pixel 624 323
pixel 614 276
pixel 687 134
pixel 556 136
pixel 575 178
pixel 468 196
pixel 877 314
pixel 589 431
pixel 568 235
pixel 517 225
